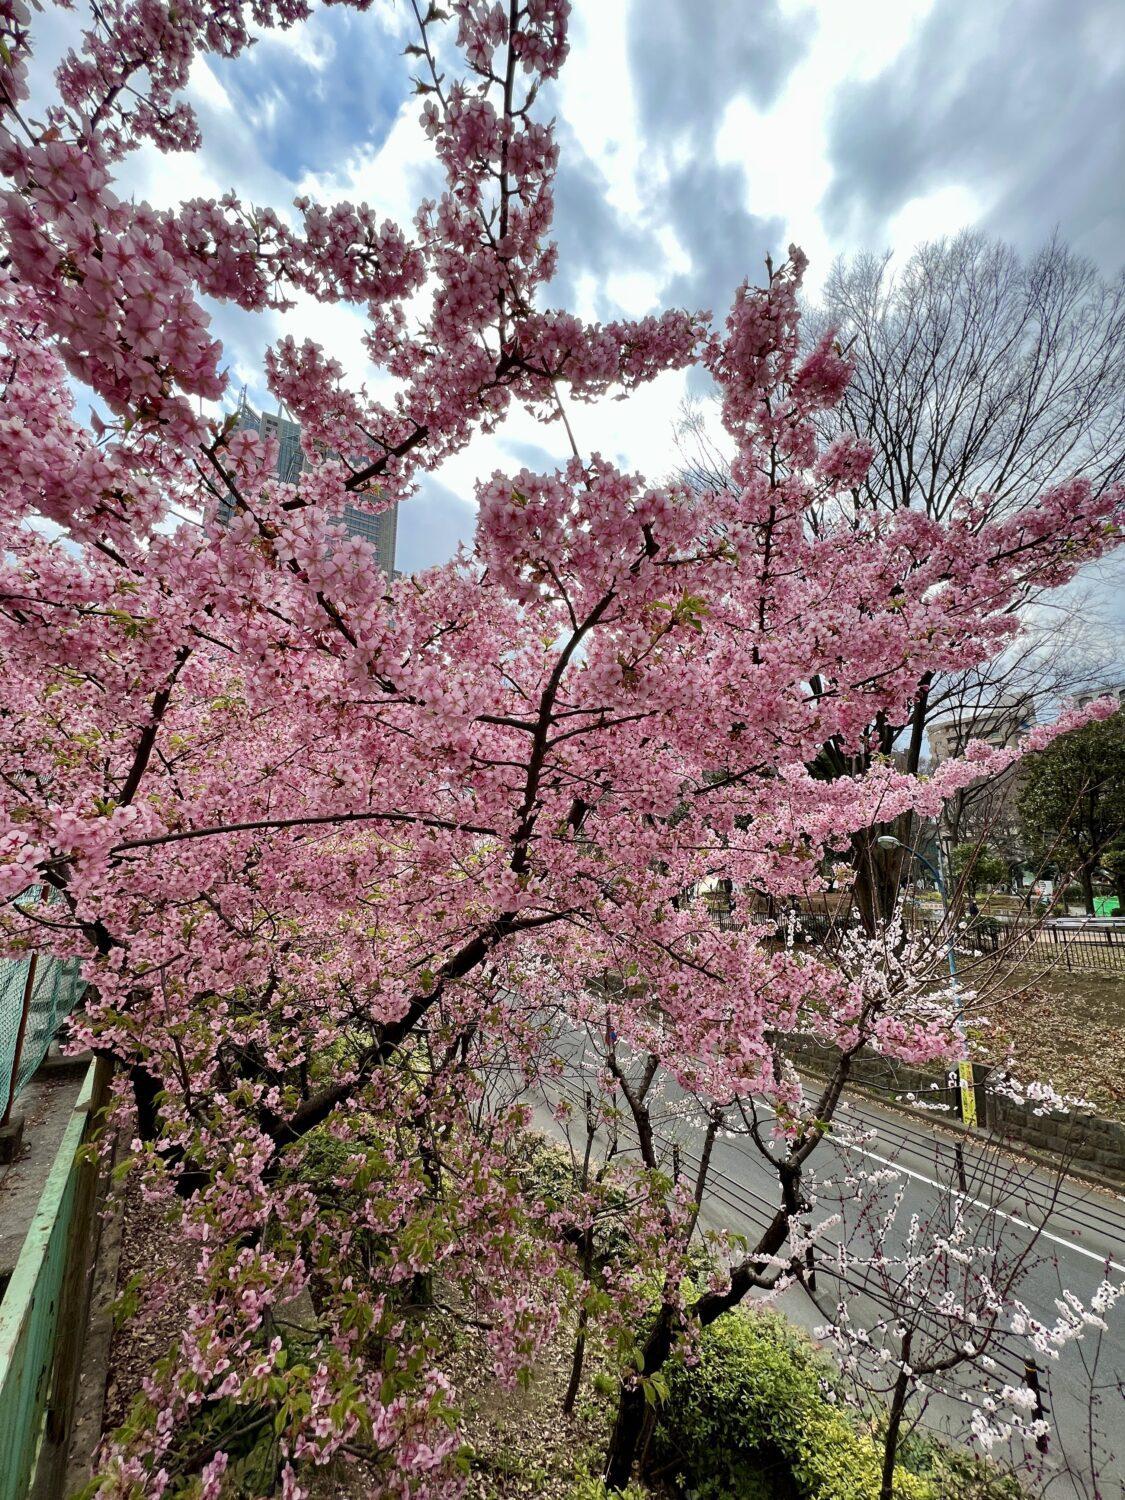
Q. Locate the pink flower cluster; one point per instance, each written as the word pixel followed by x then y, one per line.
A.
pixel 329 846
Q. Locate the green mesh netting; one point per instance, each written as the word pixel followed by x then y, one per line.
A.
pixel 54 991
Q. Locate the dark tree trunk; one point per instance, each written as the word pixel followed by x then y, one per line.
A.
pixel 628 1428
pixel 1086 879
pixel 422 1282
pixel 894 1425
pixel 579 1356
pixel 577 1361
pixel 753 1271
pixel 879 872
pixel 146 1090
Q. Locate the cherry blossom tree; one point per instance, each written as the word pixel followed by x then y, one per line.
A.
pixel 325 841
pixel 974 371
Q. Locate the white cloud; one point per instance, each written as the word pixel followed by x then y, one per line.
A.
pixel 929 216
pixel 856 38
pixel 784 150
pixel 595 97
pixel 780 153
pixel 206 88
pixel 310 42
pixel 635 291
pixel 388 177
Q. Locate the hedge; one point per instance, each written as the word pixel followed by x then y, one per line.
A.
pixel 755 1418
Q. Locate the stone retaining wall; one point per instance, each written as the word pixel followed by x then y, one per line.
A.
pixel 1088 1143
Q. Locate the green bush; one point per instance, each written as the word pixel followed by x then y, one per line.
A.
pixel 337 1172
pixel 588 1488
pixel 955 1473
pixel 548 1176
pixel 244 1431
pixel 753 1420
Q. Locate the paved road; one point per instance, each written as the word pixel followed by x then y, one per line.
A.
pixel 1084 1239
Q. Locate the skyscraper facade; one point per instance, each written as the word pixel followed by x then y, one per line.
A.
pixel 379 531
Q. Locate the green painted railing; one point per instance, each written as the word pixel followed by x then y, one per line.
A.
pixel 43 1312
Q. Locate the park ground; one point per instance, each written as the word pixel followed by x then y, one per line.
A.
pixel 1068 1030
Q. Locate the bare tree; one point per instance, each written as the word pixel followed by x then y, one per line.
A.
pixel 978 371
pixel 1059 654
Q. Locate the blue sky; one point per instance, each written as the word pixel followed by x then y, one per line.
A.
pixel 697 136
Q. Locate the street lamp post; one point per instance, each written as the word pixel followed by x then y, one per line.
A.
pixel 964 1066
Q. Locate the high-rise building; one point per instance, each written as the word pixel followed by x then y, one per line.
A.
pixel 380 531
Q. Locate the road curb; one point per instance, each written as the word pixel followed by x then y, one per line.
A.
pixel 1019 1150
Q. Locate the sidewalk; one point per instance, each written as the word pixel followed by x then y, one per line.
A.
pixel 46 1105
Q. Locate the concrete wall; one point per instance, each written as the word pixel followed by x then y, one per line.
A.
pixel 1088 1143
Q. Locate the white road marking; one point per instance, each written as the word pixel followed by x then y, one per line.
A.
pixel 988 1208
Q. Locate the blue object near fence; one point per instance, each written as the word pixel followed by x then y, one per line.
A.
pixel 36 994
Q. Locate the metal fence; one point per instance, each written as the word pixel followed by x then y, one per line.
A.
pixel 43 1311
pixel 1095 947
pixel 36 994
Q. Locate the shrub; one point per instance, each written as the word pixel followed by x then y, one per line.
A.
pixel 755 1418
pixel 955 1473
pixel 336 1172
pixel 586 1487
pixel 244 1432
pixel 985 930
pixel 548 1176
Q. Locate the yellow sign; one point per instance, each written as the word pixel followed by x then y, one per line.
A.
pixel 968 1093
